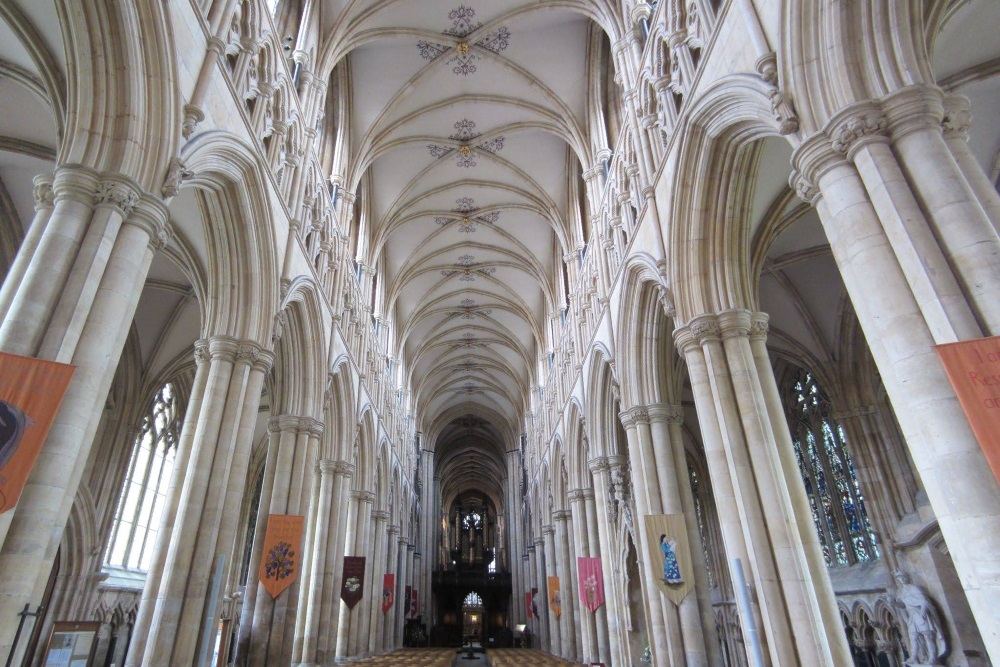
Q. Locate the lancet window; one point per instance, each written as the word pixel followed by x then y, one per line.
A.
pixel 835 497
pixel 133 533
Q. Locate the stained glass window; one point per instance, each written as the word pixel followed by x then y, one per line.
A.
pixel 133 534
pixel 835 497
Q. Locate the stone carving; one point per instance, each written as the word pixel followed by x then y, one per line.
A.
pixel 118 195
pixel 804 188
pixel 249 353
pixel 925 636
pixel 43 192
pixel 957 116
pixel 176 175
pixel 783 111
pixel 857 128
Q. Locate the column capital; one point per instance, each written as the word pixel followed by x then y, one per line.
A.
pixel 539 543
pixel 411 547
pixel 957 116
pixel 380 515
pixel 393 530
pixel 118 193
pixel 735 323
pixel 634 416
pixel 328 466
pixel 914 108
pixel 548 530
pixel 562 515
pixel 201 352
pixel 363 496
pixel 598 464
pixel 403 541
pixel 705 328
pixel 345 468
pixel 665 412
pixel 856 126
pixel 44 195
pixel 531 550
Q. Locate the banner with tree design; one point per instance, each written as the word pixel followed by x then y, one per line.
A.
pixel 279 564
pixel 591 582
pixel 31 391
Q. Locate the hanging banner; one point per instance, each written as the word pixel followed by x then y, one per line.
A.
pixel 670 550
pixel 414 609
pixel 388 592
pixel 591 582
pixel 534 602
pixel 405 606
pixel 555 599
pixel 527 603
pixel 973 367
pixel 279 564
pixel 31 391
pixel 353 588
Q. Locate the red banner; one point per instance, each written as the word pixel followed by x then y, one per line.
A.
pixel 388 592
pixel 527 603
pixel 973 367
pixel 31 391
pixel 591 582
pixel 279 565
pixel 353 588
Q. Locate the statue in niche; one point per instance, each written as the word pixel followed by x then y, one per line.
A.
pixel 927 645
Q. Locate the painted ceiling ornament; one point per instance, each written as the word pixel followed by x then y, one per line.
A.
pixel 470 310
pixel 466 209
pixel 471 340
pixel 466 135
pixel 463 24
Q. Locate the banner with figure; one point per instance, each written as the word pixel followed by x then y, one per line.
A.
pixel 388 592
pixel 591 582
pixel 414 608
pixel 555 599
pixel 669 551
pixel 279 564
pixel 353 588
pixel 973 368
pixel 31 391
pixel 404 606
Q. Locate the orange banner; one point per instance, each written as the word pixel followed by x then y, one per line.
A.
pixel 555 597
pixel 31 391
pixel 279 565
pixel 973 366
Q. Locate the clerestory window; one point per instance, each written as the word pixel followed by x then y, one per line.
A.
pixel 133 533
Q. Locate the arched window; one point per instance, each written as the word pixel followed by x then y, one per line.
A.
pixel 473 600
pixel 133 534
pixel 838 506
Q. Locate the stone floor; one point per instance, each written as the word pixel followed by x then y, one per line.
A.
pixel 450 657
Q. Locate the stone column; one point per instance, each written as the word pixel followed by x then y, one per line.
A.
pixel 79 291
pixel 326 644
pixel 588 646
pixel 168 514
pixel 593 536
pixel 664 629
pixel 293 468
pixel 703 633
pixel 514 536
pixel 541 602
pixel 551 570
pixel 531 577
pixel 740 520
pixel 344 617
pixel 567 587
pixel 358 635
pixel 615 651
pixel 902 329
pixel 315 590
pixel 955 124
pixel 206 507
pixel 389 642
pixel 44 204
pixel 401 604
pixel 378 568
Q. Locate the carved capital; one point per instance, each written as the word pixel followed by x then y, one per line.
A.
pixel 393 530
pixel 201 352
pixel 380 515
pixel 562 515
pixel 45 196
pixel 913 109
pixel 177 173
pixel 327 466
pixel 858 129
pixel 804 188
pixel 957 116
pixel 598 464
pixel 634 416
pixel 705 328
pixel 759 326
pixel 118 194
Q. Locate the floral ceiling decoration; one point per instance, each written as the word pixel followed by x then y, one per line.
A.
pixel 463 58
pixel 468 269
pixel 465 134
pixel 467 215
pixel 469 310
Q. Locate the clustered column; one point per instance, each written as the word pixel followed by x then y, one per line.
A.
pixel 567 583
pixel 177 606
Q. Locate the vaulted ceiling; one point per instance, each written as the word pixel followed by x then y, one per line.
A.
pixel 463 123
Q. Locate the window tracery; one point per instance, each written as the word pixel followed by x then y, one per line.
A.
pixel 133 533
pixel 824 460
